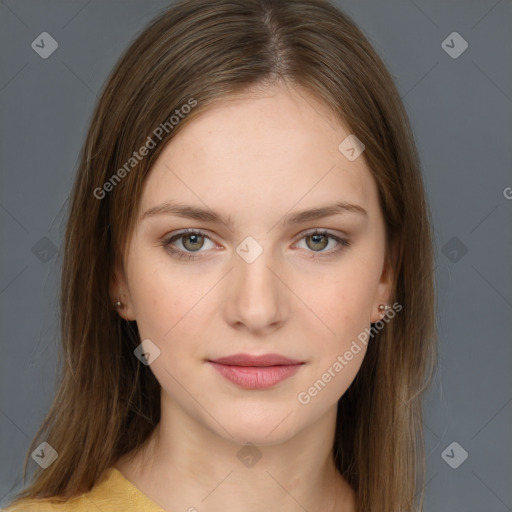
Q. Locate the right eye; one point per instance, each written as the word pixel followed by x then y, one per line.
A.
pixel 191 242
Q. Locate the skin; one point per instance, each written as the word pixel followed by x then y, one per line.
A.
pixel 255 158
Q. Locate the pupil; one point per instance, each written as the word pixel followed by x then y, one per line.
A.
pixel 317 239
pixel 192 240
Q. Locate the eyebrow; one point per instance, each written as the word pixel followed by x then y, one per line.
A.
pixel 205 215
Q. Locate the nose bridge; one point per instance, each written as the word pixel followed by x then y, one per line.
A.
pixel 256 294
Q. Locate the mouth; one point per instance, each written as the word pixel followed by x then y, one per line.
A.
pixel 256 372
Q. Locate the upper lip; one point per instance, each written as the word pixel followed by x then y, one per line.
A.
pixel 250 360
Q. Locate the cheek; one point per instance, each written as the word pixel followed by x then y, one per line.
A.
pixel 342 307
pixel 340 346
pixel 172 309
pixel 158 301
pixel 343 299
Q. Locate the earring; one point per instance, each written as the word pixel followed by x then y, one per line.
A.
pixel 383 307
pixel 118 304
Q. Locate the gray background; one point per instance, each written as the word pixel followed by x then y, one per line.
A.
pixel 460 109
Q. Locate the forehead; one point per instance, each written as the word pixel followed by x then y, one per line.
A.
pixel 259 154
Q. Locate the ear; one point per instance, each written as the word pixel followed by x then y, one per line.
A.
pixel 385 286
pixel 119 291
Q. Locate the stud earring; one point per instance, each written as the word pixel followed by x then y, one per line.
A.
pixel 118 304
pixel 383 308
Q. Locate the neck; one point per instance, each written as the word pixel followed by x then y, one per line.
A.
pixel 186 466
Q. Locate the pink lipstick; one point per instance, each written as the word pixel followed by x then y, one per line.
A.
pixel 256 372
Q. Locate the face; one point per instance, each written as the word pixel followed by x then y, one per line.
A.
pixel 252 276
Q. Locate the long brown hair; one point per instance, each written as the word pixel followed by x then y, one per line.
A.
pixel 107 403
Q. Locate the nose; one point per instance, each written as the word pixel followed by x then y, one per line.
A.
pixel 257 299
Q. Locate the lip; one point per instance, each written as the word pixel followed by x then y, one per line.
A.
pixel 250 360
pixel 256 372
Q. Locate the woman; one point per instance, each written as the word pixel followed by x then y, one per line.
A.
pixel 247 291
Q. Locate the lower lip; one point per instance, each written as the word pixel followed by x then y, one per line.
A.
pixel 256 377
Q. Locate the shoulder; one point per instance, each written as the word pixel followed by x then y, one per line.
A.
pixel 113 493
pixel 82 503
pixel 42 505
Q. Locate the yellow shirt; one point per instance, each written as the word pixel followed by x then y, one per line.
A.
pixel 112 494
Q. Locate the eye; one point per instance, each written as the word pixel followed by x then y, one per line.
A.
pixel 317 240
pixel 191 241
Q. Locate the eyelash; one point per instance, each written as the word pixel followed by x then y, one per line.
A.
pixel 167 243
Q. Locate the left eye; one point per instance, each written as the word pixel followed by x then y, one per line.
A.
pixel 317 241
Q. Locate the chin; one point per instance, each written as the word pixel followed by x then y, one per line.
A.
pixel 257 425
